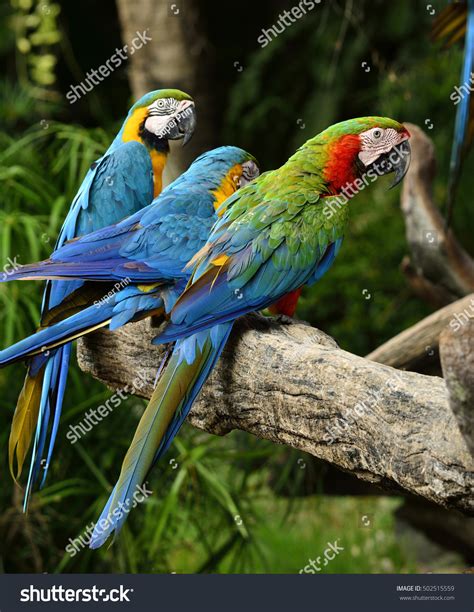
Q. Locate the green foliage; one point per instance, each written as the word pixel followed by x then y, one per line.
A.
pixel 36 32
pixel 232 504
pixel 39 173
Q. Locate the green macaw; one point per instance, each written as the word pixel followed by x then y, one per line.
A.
pixel 280 232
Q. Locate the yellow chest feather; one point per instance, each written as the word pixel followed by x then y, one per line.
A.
pixel 158 159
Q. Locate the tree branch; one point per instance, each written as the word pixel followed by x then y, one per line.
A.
pixel 415 345
pixel 291 384
pixel 457 360
pixel 438 269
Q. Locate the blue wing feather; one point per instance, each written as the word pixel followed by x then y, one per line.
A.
pixel 214 298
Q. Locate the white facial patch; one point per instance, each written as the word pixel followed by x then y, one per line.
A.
pixel 160 116
pixel 375 142
pixel 157 125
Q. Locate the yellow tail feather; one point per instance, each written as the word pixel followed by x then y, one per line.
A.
pixel 24 421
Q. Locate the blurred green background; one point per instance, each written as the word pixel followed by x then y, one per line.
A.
pixel 236 504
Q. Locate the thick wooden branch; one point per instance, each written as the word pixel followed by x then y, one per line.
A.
pixel 438 269
pixel 419 343
pixel 457 360
pixel 291 384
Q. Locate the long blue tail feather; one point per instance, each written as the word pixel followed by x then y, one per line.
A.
pixel 462 114
pixel 60 332
pixel 193 359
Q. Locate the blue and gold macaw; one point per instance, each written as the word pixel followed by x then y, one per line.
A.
pixel 171 229
pixel 277 234
pixel 125 179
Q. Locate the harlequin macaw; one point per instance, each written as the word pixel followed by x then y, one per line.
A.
pixel 122 181
pixel 277 234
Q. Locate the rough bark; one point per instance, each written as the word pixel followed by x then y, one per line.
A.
pixel 419 343
pixel 457 360
pixel 178 56
pixel 291 384
pixel 438 269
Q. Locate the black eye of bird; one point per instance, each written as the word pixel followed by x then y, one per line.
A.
pixel 377 133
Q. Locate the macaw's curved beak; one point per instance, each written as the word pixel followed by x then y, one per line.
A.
pixel 183 123
pixel 401 163
pixel 189 125
pixel 397 160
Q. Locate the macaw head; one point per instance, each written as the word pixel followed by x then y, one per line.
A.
pixel 226 169
pixel 159 116
pixel 365 147
pixel 226 164
pixel 240 167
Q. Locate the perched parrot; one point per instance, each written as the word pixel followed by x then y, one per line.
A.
pixel 153 246
pixel 277 234
pixel 172 229
pixel 125 179
pixel 272 237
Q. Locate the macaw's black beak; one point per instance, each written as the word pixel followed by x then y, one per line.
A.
pixel 188 126
pixel 397 160
pixel 402 162
pixel 182 126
